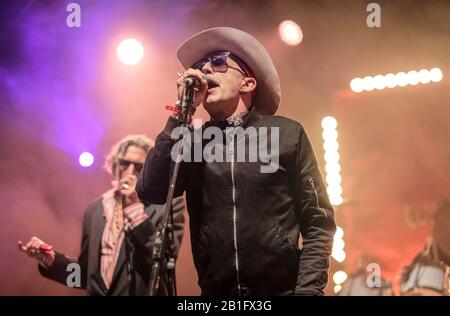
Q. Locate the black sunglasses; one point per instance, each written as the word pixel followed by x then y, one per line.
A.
pixel 124 164
pixel 218 62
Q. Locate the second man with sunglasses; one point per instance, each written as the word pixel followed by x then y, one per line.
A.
pixel 118 233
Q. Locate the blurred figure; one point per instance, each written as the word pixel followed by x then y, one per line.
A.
pixel 429 272
pixel 441 231
pixel 118 232
pixel 427 275
pixel 362 283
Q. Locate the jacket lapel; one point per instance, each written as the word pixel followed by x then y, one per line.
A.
pixel 120 260
pixel 98 225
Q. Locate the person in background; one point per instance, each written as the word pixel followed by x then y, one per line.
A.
pixel 118 231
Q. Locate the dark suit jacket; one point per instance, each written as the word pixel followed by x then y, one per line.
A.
pixel 132 272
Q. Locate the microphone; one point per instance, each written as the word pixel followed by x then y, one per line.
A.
pixel 191 81
pixel 119 195
pixel 185 105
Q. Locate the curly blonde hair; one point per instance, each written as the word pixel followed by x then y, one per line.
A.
pixel 119 149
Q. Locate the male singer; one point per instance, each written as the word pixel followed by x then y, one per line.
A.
pixel 246 214
pixel 118 231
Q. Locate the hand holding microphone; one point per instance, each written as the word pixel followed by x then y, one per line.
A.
pixel 193 77
pixel 191 81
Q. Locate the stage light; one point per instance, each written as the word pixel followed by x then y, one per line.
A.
pixel 130 51
pixel 379 82
pixel 424 76
pixel 390 80
pixel 338 255
pixel 290 32
pixel 86 159
pixel 331 145
pixel 334 189
pixel 332 167
pixel 357 85
pixel 339 232
pixel 338 252
pixel 329 122
pixel 330 134
pixel 331 156
pixel 338 244
pixel 333 178
pixel 413 77
pixel 339 277
pixel 368 83
pixel 436 74
pixel 336 200
pixel 337 288
pixel 401 79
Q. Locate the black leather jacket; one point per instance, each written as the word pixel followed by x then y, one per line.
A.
pixel 245 225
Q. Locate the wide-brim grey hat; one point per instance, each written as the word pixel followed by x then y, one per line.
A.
pixel 247 48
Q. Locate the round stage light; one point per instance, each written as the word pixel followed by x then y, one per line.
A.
pixel 329 122
pixel 86 159
pixel 339 255
pixel 331 156
pixel 329 134
pixel 436 74
pixel 379 82
pixel 334 189
pixel 333 178
pixel 339 232
pixel 130 51
pixel 369 83
pixel 336 200
pixel 424 76
pixel 339 277
pixel 413 77
pixel 290 32
pixel 337 288
pixel 390 80
pixel 357 85
pixel 331 145
pixel 402 79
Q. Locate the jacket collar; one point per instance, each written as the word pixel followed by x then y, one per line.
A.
pixel 252 118
pixel 244 119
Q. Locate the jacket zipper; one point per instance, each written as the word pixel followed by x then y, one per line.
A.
pixel 236 253
pixel 316 195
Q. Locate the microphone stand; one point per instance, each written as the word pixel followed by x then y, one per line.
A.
pixel 163 257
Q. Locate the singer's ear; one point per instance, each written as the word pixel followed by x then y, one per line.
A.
pixel 248 85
